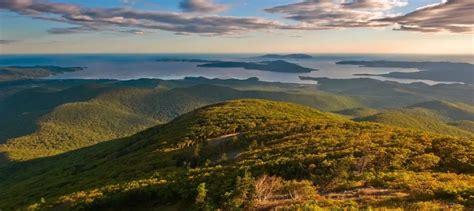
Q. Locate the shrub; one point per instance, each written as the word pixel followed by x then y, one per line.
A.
pixel 300 190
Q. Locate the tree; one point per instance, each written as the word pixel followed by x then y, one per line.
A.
pixel 243 194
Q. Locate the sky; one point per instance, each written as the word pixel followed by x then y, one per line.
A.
pixel 237 26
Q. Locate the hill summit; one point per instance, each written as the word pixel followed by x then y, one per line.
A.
pixel 251 154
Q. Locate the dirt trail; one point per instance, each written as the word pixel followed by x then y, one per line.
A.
pixel 218 140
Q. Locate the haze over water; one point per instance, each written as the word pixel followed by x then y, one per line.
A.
pixel 135 66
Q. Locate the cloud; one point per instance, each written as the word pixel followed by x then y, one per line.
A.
pixel 455 16
pixel 103 19
pixel 134 31
pixel 32 7
pixel 8 42
pixel 202 6
pixel 71 30
pixel 328 14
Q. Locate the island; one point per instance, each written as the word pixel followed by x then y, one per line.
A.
pixel 10 73
pixel 272 66
pixel 185 60
pixel 286 56
pixel 436 71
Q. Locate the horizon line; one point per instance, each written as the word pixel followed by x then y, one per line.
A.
pixel 229 53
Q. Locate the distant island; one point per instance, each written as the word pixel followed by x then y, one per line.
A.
pixel 9 73
pixel 272 66
pixel 436 71
pixel 185 60
pixel 286 56
pixel 309 78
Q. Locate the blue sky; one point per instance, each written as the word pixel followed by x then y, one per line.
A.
pixel 236 26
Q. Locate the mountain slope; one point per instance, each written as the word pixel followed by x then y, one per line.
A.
pixel 450 111
pixel 388 94
pixel 434 116
pixel 124 110
pixel 44 125
pixel 217 156
pixel 21 110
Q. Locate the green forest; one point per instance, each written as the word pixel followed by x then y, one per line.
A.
pixel 70 114
pixel 210 144
pixel 252 154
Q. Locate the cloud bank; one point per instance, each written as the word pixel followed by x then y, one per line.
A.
pixel 455 16
pixel 327 14
pixel 100 19
pixel 199 17
pixel 202 6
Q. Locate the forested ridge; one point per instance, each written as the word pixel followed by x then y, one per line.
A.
pixel 63 115
pixel 433 116
pixel 118 111
pixel 248 154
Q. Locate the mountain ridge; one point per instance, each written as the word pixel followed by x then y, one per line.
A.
pixel 218 144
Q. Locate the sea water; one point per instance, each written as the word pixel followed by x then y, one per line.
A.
pixel 135 66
